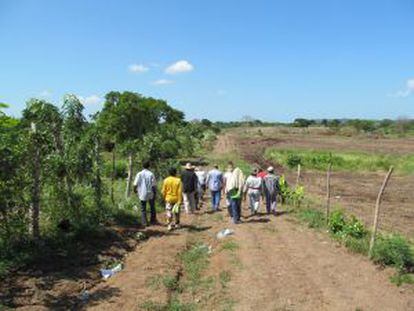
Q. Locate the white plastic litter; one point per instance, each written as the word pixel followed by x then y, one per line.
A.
pixel 225 232
pixel 107 273
pixel 84 296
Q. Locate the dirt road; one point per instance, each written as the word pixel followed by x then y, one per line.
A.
pixel 274 263
pixel 269 263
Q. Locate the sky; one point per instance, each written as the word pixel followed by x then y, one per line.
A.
pixel 222 60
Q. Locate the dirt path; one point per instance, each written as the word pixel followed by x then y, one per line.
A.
pixel 269 263
pixel 288 267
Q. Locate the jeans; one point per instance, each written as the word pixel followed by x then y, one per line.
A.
pixel 254 200
pixel 215 199
pixel 235 209
pixel 228 203
pixel 271 202
pixel 153 218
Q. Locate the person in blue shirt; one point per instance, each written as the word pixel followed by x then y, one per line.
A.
pixel 215 184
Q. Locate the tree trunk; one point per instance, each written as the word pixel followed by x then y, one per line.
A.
pixel 113 176
pixel 36 194
pixel 129 179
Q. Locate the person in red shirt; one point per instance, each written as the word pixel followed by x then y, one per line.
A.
pixel 261 173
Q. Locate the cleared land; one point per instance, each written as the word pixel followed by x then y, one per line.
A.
pixel 353 191
pixel 269 263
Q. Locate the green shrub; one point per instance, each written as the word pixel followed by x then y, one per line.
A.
pixel 393 250
pixel 120 169
pixel 293 160
pixel 337 223
pixel 355 229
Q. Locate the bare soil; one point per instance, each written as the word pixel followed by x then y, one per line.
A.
pixel 356 192
pixel 274 263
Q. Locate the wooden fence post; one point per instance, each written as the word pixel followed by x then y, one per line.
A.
pixel 377 210
pixel 328 192
pixel 298 176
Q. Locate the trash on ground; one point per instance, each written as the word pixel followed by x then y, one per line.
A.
pixel 225 232
pixel 107 273
pixel 141 236
pixel 84 296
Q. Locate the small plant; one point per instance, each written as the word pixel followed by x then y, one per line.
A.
pixel 313 217
pixel 225 277
pixel 337 223
pixel 230 245
pixel 402 278
pixel 293 160
pixel 394 250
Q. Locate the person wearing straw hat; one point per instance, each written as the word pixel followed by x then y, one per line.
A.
pixel 190 184
pixel 271 190
pixel 253 189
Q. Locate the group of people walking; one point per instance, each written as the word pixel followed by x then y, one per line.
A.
pixel 188 189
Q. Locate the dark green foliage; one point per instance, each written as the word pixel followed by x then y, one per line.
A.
pixel 293 160
pixel 120 169
pixel 393 250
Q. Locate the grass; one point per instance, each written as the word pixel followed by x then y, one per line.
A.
pixel 402 278
pixel 341 161
pixel 230 245
pixel 195 259
pixel 173 305
pixel 389 250
pixel 225 277
pixel 169 282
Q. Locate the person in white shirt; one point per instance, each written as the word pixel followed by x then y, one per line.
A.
pixel 145 186
pixel 253 188
pixel 202 176
pixel 226 177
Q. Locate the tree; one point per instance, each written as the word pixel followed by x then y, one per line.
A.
pixel 42 122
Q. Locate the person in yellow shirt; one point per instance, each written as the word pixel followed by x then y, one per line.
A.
pixel 172 194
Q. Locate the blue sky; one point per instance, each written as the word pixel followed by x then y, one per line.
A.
pixel 274 60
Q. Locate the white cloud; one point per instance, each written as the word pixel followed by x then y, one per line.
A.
pixel 178 67
pixel 90 100
pixel 45 93
pixel 137 68
pixel 409 89
pixel 163 82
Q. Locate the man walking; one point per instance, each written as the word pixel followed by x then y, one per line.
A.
pixel 226 178
pixel 145 185
pixel 172 195
pixel 234 189
pixel 215 184
pixel 190 181
pixel 253 189
pixel 271 190
pixel 201 186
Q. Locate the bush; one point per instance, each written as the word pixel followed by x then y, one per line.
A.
pixel 337 223
pixel 120 169
pixel 293 160
pixel 393 250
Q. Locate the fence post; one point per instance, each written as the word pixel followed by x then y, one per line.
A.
pixel 328 192
pixel 377 210
pixel 298 176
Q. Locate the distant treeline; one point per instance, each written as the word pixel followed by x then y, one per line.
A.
pixel 385 126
